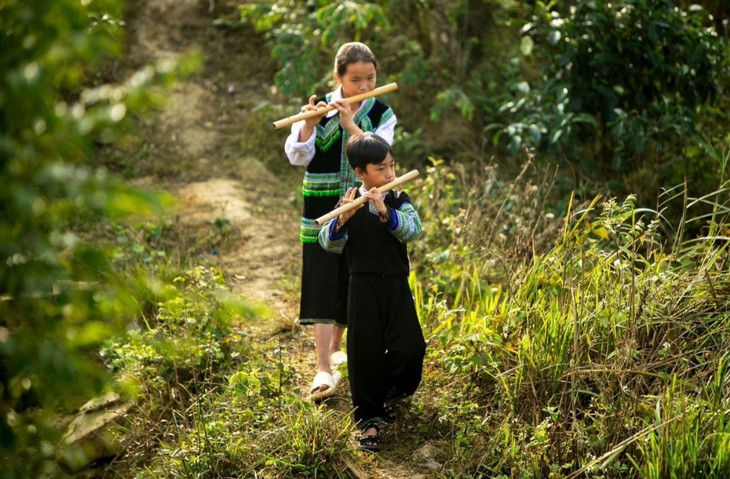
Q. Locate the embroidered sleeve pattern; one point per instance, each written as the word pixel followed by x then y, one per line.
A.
pixel 331 241
pixel 408 223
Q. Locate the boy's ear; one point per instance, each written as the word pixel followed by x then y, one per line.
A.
pixel 359 172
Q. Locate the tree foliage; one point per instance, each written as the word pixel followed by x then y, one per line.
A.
pixel 59 296
pixel 607 86
pixel 300 32
pixel 620 76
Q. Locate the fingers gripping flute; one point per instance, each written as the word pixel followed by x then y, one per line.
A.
pixel 362 199
pixel 320 111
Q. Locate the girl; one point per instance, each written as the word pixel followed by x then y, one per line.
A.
pixel 318 143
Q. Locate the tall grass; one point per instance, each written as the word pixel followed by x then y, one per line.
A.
pixel 587 343
pixel 609 343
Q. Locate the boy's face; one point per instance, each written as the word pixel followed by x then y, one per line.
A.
pixel 376 175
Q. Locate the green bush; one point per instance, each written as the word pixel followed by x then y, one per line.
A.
pixel 213 402
pixel 621 83
pixel 570 354
pixel 60 295
pixel 303 39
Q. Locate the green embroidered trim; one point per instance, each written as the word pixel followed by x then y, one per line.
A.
pixel 328 184
pixel 308 231
pixel 306 239
pixel 337 192
pixel 325 137
pixel 330 133
pixel 387 115
pixel 322 184
pixel 366 124
pixel 332 176
pixel 364 110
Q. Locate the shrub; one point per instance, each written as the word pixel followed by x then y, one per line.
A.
pixel 60 295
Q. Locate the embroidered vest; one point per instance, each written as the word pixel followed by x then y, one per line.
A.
pixel 370 247
pixel 329 175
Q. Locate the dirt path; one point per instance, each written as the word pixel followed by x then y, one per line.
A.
pixel 200 126
pixel 196 140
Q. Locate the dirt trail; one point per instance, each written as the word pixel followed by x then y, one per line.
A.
pixel 201 125
pixel 196 123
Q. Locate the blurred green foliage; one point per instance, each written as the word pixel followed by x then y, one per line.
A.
pixel 59 296
pixel 299 33
pixel 622 77
pixel 623 93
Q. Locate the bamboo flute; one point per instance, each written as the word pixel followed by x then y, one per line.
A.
pixel 321 111
pixel 362 199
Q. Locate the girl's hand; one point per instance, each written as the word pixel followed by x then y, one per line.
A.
pixel 346 116
pixel 311 123
pixel 348 198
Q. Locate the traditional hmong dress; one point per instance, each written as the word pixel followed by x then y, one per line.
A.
pixel 385 345
pixel 328 176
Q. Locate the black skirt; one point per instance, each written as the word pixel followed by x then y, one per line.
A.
pixel 325 281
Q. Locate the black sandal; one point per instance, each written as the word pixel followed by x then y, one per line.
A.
pixel 370 442
pixel 392 404
pixel 389 413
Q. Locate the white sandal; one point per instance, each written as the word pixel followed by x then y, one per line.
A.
pixel 324 378
pixel 338 358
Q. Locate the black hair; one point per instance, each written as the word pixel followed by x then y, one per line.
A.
pixel 367 149
pixel 353 52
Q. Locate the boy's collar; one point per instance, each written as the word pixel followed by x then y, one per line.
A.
pixel 362 191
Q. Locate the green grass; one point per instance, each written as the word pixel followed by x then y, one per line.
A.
pixel 614 336
pixel 592 344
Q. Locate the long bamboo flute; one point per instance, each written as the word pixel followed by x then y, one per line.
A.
pixel 362 199
pixel 321 111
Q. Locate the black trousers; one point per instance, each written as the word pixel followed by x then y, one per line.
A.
pixel 385 345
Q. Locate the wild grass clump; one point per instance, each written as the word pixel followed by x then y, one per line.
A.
pixel 600 349
pixel 478 225
pixel 214 402
pixel 239 435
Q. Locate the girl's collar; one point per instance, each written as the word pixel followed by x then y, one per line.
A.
pixel 333 97
pixel 337 95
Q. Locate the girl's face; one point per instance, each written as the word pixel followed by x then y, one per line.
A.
pixel 376 175
pixel 359 78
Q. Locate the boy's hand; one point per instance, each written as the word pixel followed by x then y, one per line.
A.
pixel 377 200
pixel 348 198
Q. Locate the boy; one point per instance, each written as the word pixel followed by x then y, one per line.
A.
pixel 385 344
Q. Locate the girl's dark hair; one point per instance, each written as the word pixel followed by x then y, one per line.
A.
pixel 350 53
pixel 367 149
